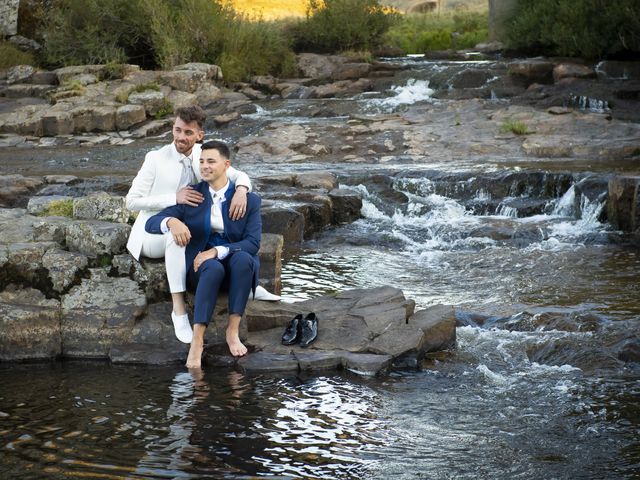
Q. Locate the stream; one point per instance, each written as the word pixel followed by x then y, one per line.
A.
pixel 545 292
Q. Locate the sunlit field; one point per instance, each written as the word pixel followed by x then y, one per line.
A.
pixel 270 10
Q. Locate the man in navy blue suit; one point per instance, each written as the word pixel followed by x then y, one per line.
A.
pixel 219 252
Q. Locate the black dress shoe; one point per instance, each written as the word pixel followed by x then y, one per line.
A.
pixel 292 333
pixel 309 329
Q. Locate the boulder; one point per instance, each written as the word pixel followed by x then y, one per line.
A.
pixel 64 268
pixel 290 91
pixel 149 274
pixel 101 206
pixel 20 74
pixel 66 74
pixel 184 80
pixel 57 123
pixel 129 115
pixel 95 238
pixel 151 100
pixel 318 66
pixel 30 326
pixel 532 70
pixel 151 341
pixel 623 205
pixel 351 71
pixel 270 255
pixel 181 99
pixel 22 263
pixel 90 118
pixel 471 78
pixel 211 72
pixel 206 94
pixel 51 229
pixel 346 205
pixel 99 313
pixel 42 204
pixel 226 118
pixel 265 83
pixel 316 180
pixel 572 70
pixel 14 189
pixel 283 221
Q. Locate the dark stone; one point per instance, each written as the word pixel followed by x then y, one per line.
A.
pixel 366 363
pixel 270 255
pixel 262 362
pixel 283 221
pixel 623 205
pixel 346 205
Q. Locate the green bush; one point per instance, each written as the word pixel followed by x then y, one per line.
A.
pixel 514 126
pixel 10 56
pixel 585 28
pixel 59 208
pixel 339 25
pixel 424 32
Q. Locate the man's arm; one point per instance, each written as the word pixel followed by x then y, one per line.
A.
pixel 238 206
pixel 139 196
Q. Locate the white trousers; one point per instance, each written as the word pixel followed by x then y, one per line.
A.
pixel 158 246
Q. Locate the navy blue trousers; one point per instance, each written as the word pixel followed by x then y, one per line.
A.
pixel 234 274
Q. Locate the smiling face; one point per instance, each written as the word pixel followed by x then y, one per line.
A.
pixel 185 135
pixel 213 168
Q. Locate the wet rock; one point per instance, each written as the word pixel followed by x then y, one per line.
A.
pixel 365 363
pixel 270 255
pixel 29 325
pixel 253 94
pixel 221 120
pixel 471 78
pixel 289 91
pixel 264 362
pixel 630 350
pixel 152 340
pixel 319 361
pixel 98 313
pixel 94 237
pixel 343 88
pixel 623 205
pixel 617 69
pixel 14 189
pixel 64 268
pixel 363 321
pixel 101 206
pixel 346 205
pixel 283 221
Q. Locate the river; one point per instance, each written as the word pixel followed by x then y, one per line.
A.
pixel 545 293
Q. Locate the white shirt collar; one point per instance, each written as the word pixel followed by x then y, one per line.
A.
pixel 219 193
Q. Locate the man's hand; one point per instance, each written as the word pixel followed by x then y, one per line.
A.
pixel 238 207
pixel 180 232
pixel 189 196
pixel 202 257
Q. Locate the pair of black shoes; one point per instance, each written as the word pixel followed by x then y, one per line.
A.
pixel 303 330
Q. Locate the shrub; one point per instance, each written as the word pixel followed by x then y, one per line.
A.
pixel 586 28
pixel 165 109
pixel 10 56
pixel 339 25
pixel 59 208
pixel 424 32
pixel 513 126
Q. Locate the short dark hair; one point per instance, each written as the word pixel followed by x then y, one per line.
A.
pixel 221 147
pixel 192 114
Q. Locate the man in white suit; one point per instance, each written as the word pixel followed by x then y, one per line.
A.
pixel 163 181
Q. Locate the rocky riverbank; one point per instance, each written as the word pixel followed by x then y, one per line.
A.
pixel 62 246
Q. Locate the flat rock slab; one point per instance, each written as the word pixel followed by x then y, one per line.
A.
pixel 365 331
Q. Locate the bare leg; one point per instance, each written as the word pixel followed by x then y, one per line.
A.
pixel 236 347
pixel 194 360
pixel 179 307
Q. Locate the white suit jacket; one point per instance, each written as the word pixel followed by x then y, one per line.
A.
pixel 156 184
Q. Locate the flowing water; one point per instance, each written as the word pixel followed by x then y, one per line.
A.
pixel 546 296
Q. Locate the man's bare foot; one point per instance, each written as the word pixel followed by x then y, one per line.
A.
pixel 194 360
pixel 236 347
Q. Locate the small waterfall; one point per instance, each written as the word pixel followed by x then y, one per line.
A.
pixel 565 205
pixel 588 104
pixel 413 91
pixel 590 210
pixel 506 211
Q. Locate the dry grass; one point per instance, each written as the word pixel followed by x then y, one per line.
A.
pixel 270 10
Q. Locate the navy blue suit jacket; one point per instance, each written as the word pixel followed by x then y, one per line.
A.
pixel 243 234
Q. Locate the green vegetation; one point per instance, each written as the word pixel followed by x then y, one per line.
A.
pixel 424 32
pixel 10 56
pixel 513 126
pixel 59 208
pixel 165 109
pixel 338 25
pixel 113 71
pixel 585 28
pixel 74 86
